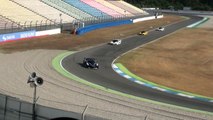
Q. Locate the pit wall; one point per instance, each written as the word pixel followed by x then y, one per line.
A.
pixel 89 28
pixel 27 34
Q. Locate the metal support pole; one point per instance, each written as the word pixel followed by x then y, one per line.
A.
pixel 5 108
pixel 60 20
pixel 5 26
pixel 34 82
pixel 83 24
pixel 19 115
pixel 83 114
pixel 146 117
pixel 34 103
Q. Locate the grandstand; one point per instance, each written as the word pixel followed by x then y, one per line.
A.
pixel 115 8
pixel 45 10
pixel 127 7
pixel 68 9
pixel 86 8
pixel 102 8
pixel 19 14
pixel 34 13
pixel 6 23
pixel 137 10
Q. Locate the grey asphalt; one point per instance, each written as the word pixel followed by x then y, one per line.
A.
pixel 106 77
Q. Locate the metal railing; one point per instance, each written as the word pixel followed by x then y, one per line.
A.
pixel 15 109
pixel 9 27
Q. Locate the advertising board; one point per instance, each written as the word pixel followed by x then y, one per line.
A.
pixel 17 35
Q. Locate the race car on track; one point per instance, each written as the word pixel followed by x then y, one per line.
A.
pixel 160 29
pixel 90 63
pixel 115 42
pixel 143 33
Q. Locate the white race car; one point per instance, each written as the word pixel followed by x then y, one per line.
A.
pixel 115 42
pixel 161 29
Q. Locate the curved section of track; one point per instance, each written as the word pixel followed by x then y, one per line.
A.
pixel 105 76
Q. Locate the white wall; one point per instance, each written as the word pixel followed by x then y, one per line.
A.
pixel 48 32
pixel 146 18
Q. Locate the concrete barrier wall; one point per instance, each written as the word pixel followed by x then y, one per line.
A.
pixel 89 28
pixel 48 32
pixel 147 18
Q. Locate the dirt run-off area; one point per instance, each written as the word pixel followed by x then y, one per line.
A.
pixel 183 61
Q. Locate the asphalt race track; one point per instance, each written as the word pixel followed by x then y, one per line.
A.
pixel 105 75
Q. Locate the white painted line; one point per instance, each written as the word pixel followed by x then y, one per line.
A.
pixel 184 95
pixel 161 89
pixel 139 82
pixel 114 66
pixel 127 76
pixel 118 71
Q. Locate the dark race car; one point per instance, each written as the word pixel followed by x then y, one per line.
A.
pixel 90 63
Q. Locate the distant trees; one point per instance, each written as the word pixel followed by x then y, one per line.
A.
pixel 177 4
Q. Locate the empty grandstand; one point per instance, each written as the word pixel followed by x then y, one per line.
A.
pixel 19 14
pixel 45 10
pixel 115 8
pixel 102 8
pixel 31 14
pixel 69 9
pixel 6 23
pixel 127 7
pixel 86 8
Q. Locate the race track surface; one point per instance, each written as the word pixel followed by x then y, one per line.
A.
pixel 105 76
